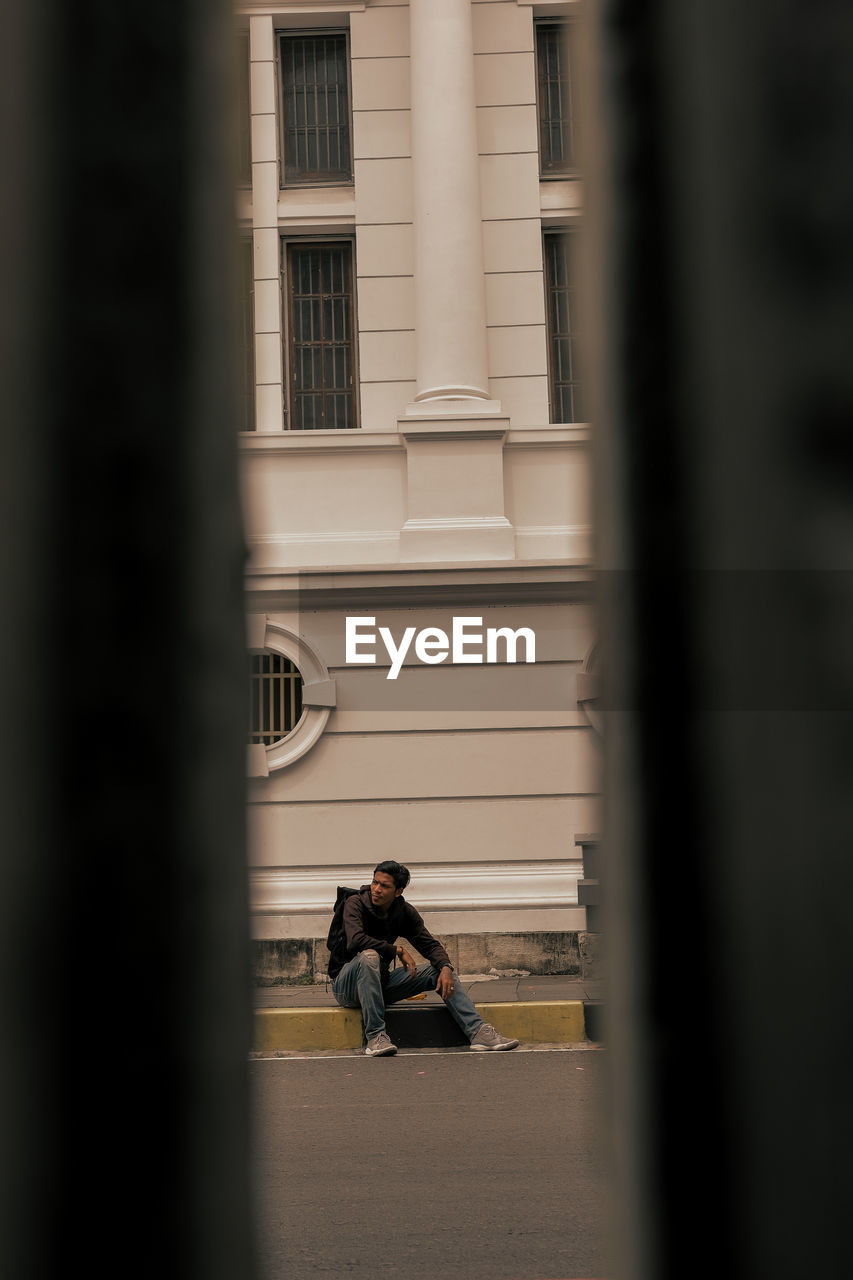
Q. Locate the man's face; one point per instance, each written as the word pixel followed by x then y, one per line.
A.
pixel 383 891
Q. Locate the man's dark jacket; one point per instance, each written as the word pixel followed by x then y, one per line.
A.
pixel 364 930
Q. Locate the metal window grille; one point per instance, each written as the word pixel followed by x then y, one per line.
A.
pixel 244 131
pixel 275 698
pixel 321 391
pixel 563 340
pixel 315 108
pixel 247 336
pixel 557 97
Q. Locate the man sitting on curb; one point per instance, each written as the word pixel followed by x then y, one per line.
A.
pixel 362 954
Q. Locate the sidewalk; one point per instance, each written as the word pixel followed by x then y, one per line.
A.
pixel 534 1009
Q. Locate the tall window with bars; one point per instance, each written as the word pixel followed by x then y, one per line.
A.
pixel 275 698
pixel 315 107
pixel 561 249
pixel 557 98
pixel 320 336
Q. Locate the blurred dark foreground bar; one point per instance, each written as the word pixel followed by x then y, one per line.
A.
pixel 722 205
pixel 124 966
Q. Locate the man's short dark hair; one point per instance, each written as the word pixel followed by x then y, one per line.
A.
pixel 399 874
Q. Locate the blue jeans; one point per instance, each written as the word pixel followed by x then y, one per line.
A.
pixel 359 984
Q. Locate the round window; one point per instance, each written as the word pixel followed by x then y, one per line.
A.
pixel 291 696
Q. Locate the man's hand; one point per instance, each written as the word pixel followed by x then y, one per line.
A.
pixel 444 986
pixel 408 961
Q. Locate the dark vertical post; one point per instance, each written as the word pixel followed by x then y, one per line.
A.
pixel 125 973
pixel 725 471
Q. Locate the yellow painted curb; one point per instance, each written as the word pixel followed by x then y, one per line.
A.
pixel 307 1029
pixel 535 1021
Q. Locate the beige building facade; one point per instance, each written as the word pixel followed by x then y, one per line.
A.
pixel 416 471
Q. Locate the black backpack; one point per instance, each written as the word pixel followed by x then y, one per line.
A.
pixel 336 928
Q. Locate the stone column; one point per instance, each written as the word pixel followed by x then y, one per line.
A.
pixel 454 433
pixel 450 292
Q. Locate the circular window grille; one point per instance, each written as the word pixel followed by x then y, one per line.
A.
pixel 275 698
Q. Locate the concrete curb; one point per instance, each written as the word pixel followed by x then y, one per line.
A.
pixel 301 1029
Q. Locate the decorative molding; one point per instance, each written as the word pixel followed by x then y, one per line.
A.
pixel 329 226
pixel 286 8
pixel 444 524
pixel 492 582
pixel 344 535
pixel 559 199
pixel 442 886
pixel 552 436
pixel 556 436
pixel 569 543
pixel 371 546
pixel 266 443
pixel 461 538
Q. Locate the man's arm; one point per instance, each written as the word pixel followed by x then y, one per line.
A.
pixel 423 941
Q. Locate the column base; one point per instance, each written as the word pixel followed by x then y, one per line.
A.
pixel 455 489
pixel 454 406
pixel 448 538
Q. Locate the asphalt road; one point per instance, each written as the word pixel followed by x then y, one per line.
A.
pixel 451 1166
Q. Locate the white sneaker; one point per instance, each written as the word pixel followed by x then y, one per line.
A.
pixel 381 1045
pixel 487 1038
